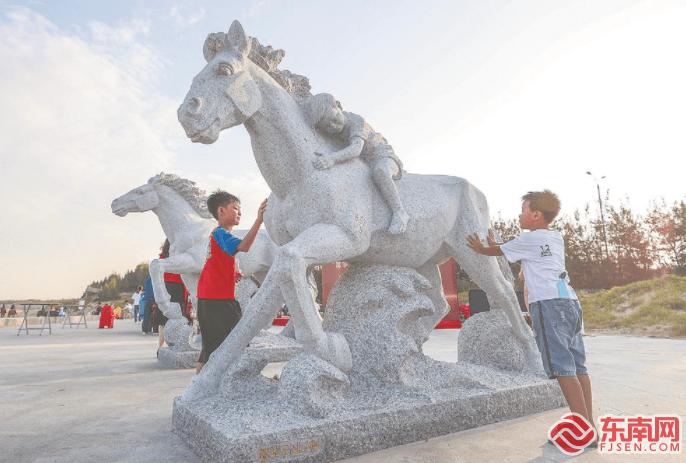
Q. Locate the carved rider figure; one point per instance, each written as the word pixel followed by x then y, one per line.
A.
pixel 327 115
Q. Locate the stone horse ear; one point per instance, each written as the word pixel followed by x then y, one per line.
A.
pixel 237 39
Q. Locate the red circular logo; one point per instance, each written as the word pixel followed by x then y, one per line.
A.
pixel 572 434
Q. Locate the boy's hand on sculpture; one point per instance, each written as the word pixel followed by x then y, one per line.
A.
pixel 260 212
pixel 323 161
pixel 474 242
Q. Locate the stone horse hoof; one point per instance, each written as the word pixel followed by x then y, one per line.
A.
pixel 174 310
pixel 312 386
pixel 199 388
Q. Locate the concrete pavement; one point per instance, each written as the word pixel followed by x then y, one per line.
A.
pixel 85 395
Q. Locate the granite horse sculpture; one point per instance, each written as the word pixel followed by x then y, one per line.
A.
pixel 318 216
pixel 181 209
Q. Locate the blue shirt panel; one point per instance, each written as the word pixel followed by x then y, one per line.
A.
pixel 148 291
pixel 226 241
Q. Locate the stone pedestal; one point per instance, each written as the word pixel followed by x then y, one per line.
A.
pixel 263 429
pixel 394 394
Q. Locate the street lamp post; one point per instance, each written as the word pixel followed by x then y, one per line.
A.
pixel 602 214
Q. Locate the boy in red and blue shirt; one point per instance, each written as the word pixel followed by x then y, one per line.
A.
pixel 218 310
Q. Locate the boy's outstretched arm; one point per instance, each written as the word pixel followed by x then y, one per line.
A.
pixel 353 150
pixel 249 238
pixel 474 242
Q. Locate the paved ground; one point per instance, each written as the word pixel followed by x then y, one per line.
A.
pixel 99 396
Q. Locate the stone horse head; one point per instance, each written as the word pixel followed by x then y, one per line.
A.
pixel 140 199
pixel 223 94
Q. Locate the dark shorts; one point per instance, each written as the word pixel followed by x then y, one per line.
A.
pixel 176 294
pixel 216 317
pixel 557 327
pixel 175 291
pixel 158 318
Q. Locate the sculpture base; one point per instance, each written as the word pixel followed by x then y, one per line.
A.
pixel 170 358
pixel 263 428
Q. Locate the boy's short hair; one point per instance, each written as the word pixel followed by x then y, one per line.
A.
pixel 545 202
pixel 218 199
pixel 316 107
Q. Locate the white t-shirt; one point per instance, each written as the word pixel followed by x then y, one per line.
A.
pixel 136 298
pixel 542 254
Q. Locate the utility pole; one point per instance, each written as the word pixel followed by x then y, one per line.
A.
pixel 602 213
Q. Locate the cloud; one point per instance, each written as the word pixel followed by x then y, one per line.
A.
pixel 184 17
pixel 124 45
pixel 255 9
pixel 80 126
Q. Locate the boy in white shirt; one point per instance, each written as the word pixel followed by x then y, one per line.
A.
pixel 553 305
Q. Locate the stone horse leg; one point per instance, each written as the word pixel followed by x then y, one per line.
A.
pixel 486 271
pixel 431 272
pixel 318 244
pixel 190 280
pixel 180 263
pixel 287 279
pixel 261 309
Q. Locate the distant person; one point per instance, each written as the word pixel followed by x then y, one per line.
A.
pixel 555 311
pixel 136 303
pixel 106 317
pixel 147 301
pixel 159 319
pixel 3 311
pixel 177 292
pixel 12 312
pixel 141 306
pixel 218 310
pixel 118 312
pixel 128 309
pixel 174 286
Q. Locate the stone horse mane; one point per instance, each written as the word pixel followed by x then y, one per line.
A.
pixel 267 58
pixel 187 189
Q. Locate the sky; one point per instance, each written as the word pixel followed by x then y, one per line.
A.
pixel 511 95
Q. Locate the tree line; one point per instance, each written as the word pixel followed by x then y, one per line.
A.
pixel 113 285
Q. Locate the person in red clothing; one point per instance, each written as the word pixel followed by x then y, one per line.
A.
pixel 177 291
pixel 106 317
pixel 218 310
